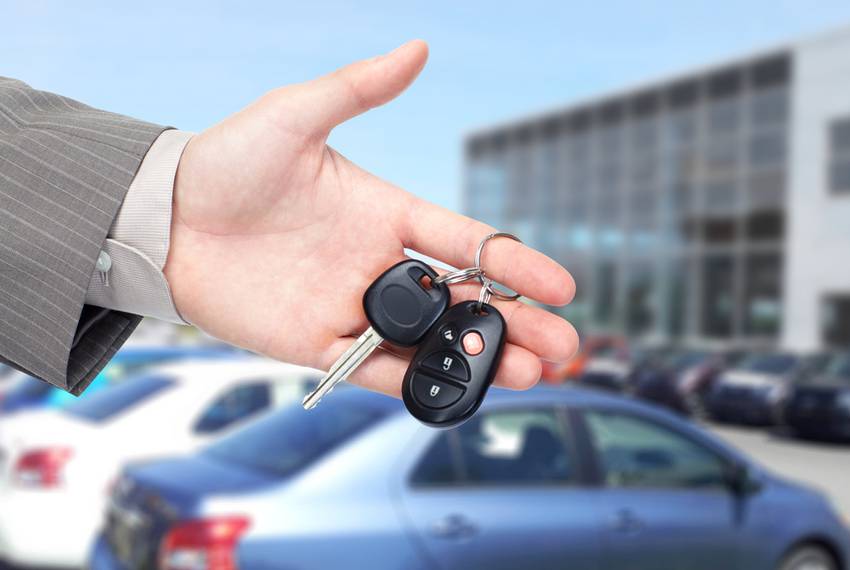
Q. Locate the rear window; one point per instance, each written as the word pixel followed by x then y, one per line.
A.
pixel 293 438
pixel 769 363
pixel 114 400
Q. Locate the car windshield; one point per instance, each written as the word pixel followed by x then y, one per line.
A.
pixel 114 400
pixel 769 363
pixel 292 438
pixel 840 367
pixel 684 360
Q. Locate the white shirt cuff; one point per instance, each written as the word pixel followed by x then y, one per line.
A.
pixel 129 276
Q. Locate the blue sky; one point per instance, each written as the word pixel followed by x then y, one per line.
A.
pixel 189 64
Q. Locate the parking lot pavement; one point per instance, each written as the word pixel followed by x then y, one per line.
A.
pixel 821 465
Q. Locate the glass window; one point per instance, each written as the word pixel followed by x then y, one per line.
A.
pixel 835 320
pixel 606 288
pixel 679 273
pixel 681 128
pixel 115 400
pixel 769 107
pixel 721 157
pixel 767 189
pixel 763 303
pixel 235 405
pixel 718 296
pixel 516 447
pixel 640 297
pixel 767 150
pixel 839 165
pixel 766 226
pixel 722 197
pixel 840 137
pixel 724 116
pixel 769 363
pixel 289 440
pixel 840 176
pixel 438 466
pixel 637 453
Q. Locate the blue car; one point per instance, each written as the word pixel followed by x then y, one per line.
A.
pixel 547 479
pixel 30 392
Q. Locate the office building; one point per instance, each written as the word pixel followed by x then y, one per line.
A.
pixel 714 205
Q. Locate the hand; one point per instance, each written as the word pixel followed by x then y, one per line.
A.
pixel 275 236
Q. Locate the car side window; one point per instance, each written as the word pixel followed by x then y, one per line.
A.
pixel 235 405
pixel 639 453
pixel 526 447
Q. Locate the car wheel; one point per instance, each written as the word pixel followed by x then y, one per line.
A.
pixel 808 558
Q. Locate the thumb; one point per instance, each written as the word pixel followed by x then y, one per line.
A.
pixel 358 87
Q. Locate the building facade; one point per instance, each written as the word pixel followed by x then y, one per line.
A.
pixel 710 206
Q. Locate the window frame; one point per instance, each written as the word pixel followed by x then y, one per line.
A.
pixel 729 461
pixel 574 448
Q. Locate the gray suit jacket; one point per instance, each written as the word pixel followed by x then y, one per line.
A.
pixel 64 171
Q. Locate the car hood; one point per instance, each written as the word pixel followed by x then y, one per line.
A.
pixel 749 379
pixel 826 384
pixel 189 478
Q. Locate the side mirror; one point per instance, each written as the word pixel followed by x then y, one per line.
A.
pixel 740 479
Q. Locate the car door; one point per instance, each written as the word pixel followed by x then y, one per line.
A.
pixel 666 501
pixel 504 491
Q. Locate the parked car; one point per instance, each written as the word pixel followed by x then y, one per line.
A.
pixel 58 464
pixel 620 370
pixel 756 390
pixel 681 380
pixel 592 348
pixel 545 479
pixel 819 405
pixel 28 392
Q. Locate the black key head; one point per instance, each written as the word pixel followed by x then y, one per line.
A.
pixel 455 365
pixel 404 303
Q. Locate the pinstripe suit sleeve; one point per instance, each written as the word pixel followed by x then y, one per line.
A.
pixel 64 171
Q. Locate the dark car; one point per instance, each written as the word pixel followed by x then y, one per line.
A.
pixel 683 379
pixel 619 371
pixel 755 391
pixel 547 479
pixel 819 405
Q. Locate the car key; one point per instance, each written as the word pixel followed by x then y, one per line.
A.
pixel 400 308
pixel 455 365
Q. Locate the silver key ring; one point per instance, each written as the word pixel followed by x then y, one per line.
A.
pixel 487 283
pixel 459 276
pixel 485 295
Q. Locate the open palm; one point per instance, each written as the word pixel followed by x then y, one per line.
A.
pixel 276 236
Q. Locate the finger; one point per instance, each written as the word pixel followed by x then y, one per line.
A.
pixel 383 372
pixel 545 334
pixel 360 86
pixel 549 336
pixel 520 369
pixel 452 238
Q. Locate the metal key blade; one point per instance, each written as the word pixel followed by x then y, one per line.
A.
pixel 345 365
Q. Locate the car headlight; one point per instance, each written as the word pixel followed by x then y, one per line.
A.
pixel 843 401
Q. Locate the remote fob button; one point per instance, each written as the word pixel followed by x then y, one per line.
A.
pixel 472 343
pixel 448 334
pixel 450 364
pixel 433 393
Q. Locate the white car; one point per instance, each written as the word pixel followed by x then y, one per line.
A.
pixel 56 466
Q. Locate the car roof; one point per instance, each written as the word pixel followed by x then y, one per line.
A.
pixel 539 395
pixel 217 371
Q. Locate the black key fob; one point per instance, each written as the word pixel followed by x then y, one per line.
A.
pixel 400 308
pixel 455 365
